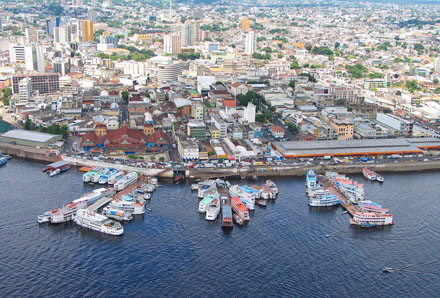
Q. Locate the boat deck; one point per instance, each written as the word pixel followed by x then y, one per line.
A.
pixel 100 203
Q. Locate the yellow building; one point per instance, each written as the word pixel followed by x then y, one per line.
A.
pixel 215 132
pixel 87 31
pixel 245 24
pixel 345 129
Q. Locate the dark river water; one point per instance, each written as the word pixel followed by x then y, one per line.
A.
pixel 173 252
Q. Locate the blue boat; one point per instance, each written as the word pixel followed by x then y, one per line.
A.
pixel 3 160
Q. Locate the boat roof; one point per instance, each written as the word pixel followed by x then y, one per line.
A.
pixel 58 164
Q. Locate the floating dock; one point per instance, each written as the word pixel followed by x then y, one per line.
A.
pixel 100 203
pixel 345 203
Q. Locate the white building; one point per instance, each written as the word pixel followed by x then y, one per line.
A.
pixel 25 90
pixel 221 125
pixel 172 44
pixel 62 34
pixel 169 72
pixel 251 43
pixel 249 113
pixel 188 34
pixel 402 126
pixel 30 55
pixel 31 35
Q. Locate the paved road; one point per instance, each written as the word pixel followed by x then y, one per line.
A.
pixel 123 113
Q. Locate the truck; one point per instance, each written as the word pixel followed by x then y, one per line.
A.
pixel 327 157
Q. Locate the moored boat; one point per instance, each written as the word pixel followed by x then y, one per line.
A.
pixel 226 214
pixel 117 214
pixel 238 219
pixel 203 204
pixel 367 219
pixel 97 222
pixel 311 180
pixel 55 172
pixel 370 175
pixel 213 210
pixel 65 213
pixel 127 180
pixel 240 209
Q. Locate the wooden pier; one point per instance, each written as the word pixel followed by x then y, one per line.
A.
pixel 345 203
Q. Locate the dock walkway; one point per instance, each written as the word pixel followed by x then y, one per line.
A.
pixel 345 203
pixel 98 204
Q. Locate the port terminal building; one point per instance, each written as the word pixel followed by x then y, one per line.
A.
pixel 29 138
pixel 362 147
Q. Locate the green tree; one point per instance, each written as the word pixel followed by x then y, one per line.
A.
pixel 161 159
pixel 27 124
pixel 292 84
pixel 412 86
pixel 436 81
pixel 152 158
pixel 124 95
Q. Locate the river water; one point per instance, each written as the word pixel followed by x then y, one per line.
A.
pixel 172 251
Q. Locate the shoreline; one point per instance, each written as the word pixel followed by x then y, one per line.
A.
pixel 42 155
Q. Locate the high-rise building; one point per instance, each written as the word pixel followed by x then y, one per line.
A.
pixel 61 65
pixel 94 3
pixel 188 38
pixel 245 24
pixel 57 21
pixel 49 27
pixel 172 44
pixel 25 89
pixel 31 35
pixel 62 34
pixel 251 43
pixel 41 82
pixel 30 55
pixel 91 14
pixel 196 31
pixel 87 31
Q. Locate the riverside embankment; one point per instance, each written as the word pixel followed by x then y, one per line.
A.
pixel 28 152
pixel 401 166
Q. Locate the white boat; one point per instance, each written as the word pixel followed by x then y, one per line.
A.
pixel 203 205
pixel 248 204
pixel 92 197
pixel 128 179
pixel 130 206
pixel 213 210
pixel 65 213
pixel 272 186
pixel 45 217
pixel 115 177
pixel 147 187
pixel 97 222
pixel 237 191
pixel 311 179
pixel 206 189
pixel 117 214
pixel 371 219
pixel 87 176
pixel 98 175
pixel 55 172
pixel 104 178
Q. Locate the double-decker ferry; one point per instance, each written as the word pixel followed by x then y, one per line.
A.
pixel 371 219
pixel 127 180
pixel 203 205
pixel 240 209
pixel 311 180
pixel 97 222
pixel 226 214
pixel 65 213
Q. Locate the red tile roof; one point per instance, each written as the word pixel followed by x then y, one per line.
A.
pixel 158 138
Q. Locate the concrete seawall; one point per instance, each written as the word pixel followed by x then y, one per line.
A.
pixel 28 153
pixel 164 173
pixel 302 170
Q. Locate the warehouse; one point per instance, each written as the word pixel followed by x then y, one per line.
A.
pixel 29 138
pixel 355 147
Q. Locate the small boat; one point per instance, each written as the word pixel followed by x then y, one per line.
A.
pixel 226 214
pixel 85 169
pixel 55 172
pixel 194 186
pixel 255 177
pixel 117 214
pixel 238 219
pixel 262 203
